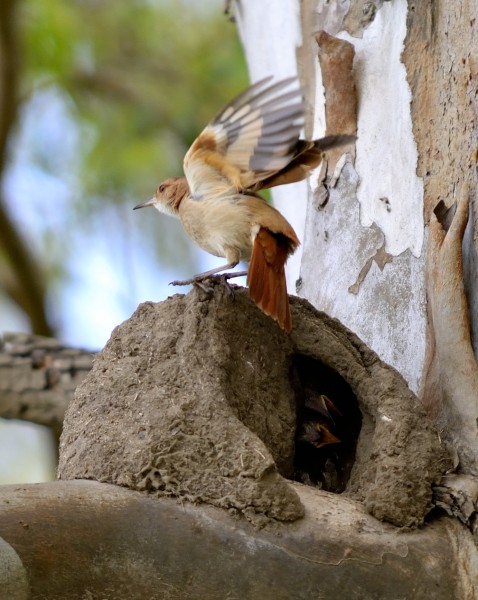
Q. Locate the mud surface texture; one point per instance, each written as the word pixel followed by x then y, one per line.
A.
pixel 196 398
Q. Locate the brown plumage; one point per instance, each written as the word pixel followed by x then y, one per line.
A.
pixel 252 144
pixel 266 275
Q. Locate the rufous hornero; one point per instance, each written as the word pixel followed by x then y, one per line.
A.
pixel 251 145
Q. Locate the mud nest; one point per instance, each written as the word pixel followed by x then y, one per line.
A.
pixel 204 398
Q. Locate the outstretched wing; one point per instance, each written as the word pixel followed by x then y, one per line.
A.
pixel 252 138
pixel 307 156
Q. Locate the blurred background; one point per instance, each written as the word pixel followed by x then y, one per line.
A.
pixel 99 101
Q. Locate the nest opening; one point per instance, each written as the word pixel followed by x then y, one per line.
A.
pixel 328 426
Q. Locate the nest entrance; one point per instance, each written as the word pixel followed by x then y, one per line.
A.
pixel 328 426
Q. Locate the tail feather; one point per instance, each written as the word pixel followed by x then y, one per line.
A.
pixel 266 276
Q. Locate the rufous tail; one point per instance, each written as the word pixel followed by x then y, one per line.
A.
pixel 266 276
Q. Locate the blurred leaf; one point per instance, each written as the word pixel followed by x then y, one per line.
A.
pixel 137 81
pixel 145 76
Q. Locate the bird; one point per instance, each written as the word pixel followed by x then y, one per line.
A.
pixel 318 434
pixel 251 145
pixel 320 404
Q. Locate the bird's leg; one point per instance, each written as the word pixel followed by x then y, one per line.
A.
pixel 206 274
pixel 199 280
pixel 227 276
pixel 224 277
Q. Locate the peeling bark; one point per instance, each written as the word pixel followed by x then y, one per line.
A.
pixel 381 258
pixel 451 386
pixel 336 59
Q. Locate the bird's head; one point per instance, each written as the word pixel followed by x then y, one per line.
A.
pixel 168 196
pixel 318 434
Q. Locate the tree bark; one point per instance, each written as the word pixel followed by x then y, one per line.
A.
pixel 443 74
pixel 80 539
pixel 362 259
pixel 450 390
pixel 38 377
pixel 367 249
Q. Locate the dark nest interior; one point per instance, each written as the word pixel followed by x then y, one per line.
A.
pixel 328 426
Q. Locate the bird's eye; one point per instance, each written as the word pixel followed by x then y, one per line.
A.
pixel 161 188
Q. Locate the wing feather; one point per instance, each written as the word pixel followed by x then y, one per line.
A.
pixel 253 136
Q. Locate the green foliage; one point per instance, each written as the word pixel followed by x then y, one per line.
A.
pixel 137 81
pixel 144 78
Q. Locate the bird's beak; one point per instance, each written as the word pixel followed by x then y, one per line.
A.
pixel 151 202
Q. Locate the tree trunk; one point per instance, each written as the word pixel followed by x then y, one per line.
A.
pixel 362 258
pixel 21 273
pixel 382 249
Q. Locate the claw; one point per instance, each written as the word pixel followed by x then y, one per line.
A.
pixel 202 286
pixel 200 282
pixel 234 274
pixel 182 282
pixel 224 279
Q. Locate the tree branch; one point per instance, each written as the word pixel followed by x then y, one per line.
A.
pixel 28 289
pixel 79 539
pixel 38 377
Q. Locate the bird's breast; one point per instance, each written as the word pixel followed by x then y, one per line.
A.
pixel 221 226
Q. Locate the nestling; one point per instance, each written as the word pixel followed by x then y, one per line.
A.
pixel 252 144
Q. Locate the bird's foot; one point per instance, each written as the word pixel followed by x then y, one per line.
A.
pixel 224 278
pixel 200 281
pixel 183 281
pixel 232 275
pixel 202 285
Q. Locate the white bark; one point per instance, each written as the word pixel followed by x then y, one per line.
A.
pixel 362 253
pixel 270 31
